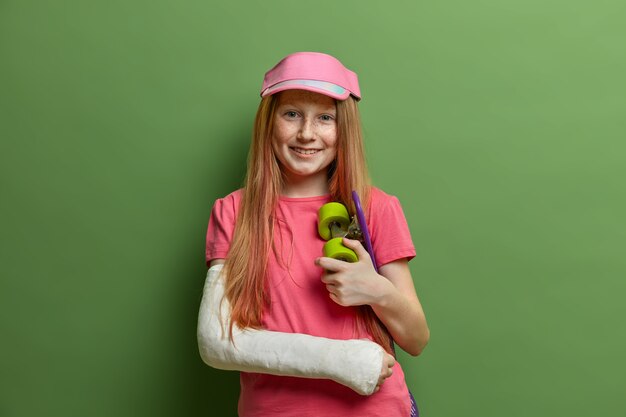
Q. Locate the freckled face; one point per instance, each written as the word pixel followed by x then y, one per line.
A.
pixel 305 133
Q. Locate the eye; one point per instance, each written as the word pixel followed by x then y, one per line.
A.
pixel 327 117
pixel 291 114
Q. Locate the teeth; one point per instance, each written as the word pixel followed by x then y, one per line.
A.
pixel 305 151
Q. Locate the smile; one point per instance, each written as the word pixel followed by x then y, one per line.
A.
pixel 305 151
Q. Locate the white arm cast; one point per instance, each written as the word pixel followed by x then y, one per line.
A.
pixel 353 363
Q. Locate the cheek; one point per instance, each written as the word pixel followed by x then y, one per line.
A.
pixel 282 132
pixel 331 138
pixel 277 142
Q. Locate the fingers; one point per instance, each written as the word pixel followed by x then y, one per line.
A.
pixel 336 265
pixel 331 264
pixel 390 366
pixel 332 291
pixel 384 376
pixel 338 299
pixel 356 246
pixel 386 371
pixel 359 249
pixel 328 279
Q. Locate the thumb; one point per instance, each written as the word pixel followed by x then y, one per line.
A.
pixel 356 246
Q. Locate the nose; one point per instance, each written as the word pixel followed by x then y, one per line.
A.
pixel 306 130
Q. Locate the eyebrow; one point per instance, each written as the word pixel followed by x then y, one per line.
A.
pixel 332 109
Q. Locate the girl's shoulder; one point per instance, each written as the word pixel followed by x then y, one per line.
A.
pixel 377 193
pixel 381 202
pixel 380 198
pixel 234 197
pixel 229 204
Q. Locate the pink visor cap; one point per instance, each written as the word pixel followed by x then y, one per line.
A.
pixel 312 71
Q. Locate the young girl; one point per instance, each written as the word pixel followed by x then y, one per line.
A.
pixel 312 335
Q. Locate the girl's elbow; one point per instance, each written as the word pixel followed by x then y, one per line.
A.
pixel 420 344
pixel 208 348
pixel 206 358
pixel 210 356
pixel 415 351
pixel 205 352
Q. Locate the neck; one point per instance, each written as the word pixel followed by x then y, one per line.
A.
pixel 309 186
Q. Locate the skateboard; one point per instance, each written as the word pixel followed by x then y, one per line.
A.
pixel 334 223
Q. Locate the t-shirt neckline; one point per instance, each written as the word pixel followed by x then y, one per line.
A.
pixel 304 199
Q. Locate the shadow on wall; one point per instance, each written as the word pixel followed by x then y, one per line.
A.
pixel 207 391
pixel 212 392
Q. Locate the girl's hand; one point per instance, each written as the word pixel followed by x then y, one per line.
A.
pixel 386 371
pixel 353 284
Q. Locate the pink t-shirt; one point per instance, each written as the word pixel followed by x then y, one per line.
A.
pixel 300 304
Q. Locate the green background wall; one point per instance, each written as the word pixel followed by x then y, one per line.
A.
pixel 499 125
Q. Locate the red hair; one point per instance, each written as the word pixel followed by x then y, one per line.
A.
pixel 246 263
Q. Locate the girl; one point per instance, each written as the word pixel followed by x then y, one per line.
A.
pixel 312 335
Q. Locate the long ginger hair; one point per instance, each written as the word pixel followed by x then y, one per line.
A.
pixel 246 263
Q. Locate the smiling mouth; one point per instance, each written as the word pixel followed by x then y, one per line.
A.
pixel 305 151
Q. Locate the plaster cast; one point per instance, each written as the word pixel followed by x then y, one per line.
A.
pixel 354 363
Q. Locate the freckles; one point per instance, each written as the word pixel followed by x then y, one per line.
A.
pixel 330 136
pixel 280 134
pixel 283 131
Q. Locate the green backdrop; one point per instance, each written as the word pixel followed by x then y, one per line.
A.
pixel 499 125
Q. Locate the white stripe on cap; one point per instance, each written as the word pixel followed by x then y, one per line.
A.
pixel 322 85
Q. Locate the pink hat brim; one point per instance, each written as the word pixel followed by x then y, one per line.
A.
pixel 312 71
pixel 321 87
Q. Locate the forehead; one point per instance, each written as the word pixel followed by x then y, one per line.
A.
pixel 304 97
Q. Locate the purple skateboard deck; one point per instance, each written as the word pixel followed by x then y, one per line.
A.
pixel 368 246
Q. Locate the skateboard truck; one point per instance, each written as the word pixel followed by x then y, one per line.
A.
pixel 334 223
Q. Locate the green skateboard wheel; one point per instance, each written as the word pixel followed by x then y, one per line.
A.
pixel 335 249
pixel 329 214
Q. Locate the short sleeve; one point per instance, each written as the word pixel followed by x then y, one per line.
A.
pixel 220 230
pixel 391 238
